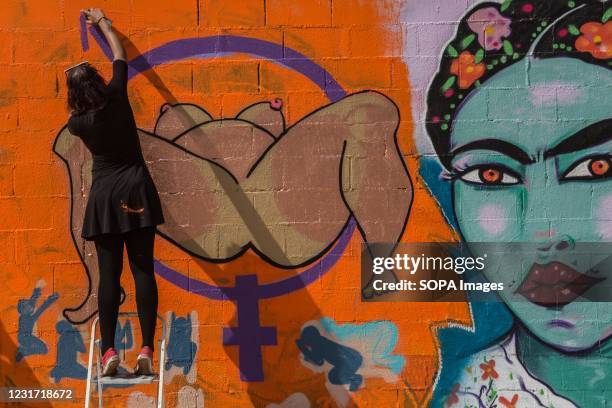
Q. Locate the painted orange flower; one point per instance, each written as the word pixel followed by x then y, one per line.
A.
pixel 488 370
pixel 466 70
pixel 509 404
pixel 596 39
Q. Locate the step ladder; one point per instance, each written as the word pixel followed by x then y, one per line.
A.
pixel 123 378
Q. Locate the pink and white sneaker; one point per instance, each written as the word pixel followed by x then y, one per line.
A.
pixel 110 362
pixel 144 365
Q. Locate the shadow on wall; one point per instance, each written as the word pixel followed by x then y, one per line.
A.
pixel 8 366
pixel 248 183
pixel 230 185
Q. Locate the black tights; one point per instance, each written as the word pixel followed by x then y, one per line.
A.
pixel 139 244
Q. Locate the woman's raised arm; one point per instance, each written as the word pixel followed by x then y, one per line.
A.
pixel 96 16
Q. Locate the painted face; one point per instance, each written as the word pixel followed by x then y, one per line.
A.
pixel 532 161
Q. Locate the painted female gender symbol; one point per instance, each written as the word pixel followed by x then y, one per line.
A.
pixel 249 336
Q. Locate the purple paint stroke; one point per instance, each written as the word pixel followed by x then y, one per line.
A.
pixel 216 45
pixel 249 335
pixel 84 40
pixel 101 40
pixel 268 290
pixel 191 285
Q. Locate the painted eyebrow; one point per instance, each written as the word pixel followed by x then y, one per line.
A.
pixel 497 145
pixel 590 136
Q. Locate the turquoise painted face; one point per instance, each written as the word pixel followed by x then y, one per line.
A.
pixel 532 164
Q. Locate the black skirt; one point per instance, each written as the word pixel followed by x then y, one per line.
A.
pixel 123 197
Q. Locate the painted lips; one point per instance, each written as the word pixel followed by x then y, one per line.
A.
pixel 555 284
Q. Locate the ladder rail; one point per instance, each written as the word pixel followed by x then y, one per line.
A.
pixel 162 367
pixel 99 370
pixel 90 362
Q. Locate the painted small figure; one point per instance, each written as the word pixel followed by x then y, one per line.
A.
pixel 29 344
pixel 346 361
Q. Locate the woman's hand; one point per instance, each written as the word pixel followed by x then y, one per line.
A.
pixel 94 15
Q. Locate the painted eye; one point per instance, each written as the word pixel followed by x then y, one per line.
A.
pixel 489 175
pixel 591 168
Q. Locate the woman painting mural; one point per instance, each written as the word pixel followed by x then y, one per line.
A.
pixel 520 114
pixel 123 206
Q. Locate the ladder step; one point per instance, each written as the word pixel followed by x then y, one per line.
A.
pixel 125 379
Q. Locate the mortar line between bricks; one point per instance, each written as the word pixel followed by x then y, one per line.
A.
pixel 197 13
pixel 283 44
pixel 259 77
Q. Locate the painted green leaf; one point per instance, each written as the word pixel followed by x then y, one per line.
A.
pixel 505 5
pixel 508 48
pixel 574 30
pixel 479 56
pixel 452 51
pixel 607 15
pixel 449 82
pixel 467 41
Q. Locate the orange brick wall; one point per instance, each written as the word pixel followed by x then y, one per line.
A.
pixel 358 42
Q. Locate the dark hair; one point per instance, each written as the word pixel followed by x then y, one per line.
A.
pixel 86 89
pixel 492 36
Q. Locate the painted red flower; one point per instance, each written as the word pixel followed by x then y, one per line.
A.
pixel 527 8
pixel 509 404
pixel 488 370
pixel 466 70
pixel 453 398
pixel 596 39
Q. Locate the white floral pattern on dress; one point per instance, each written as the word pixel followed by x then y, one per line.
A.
pixel 495 378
